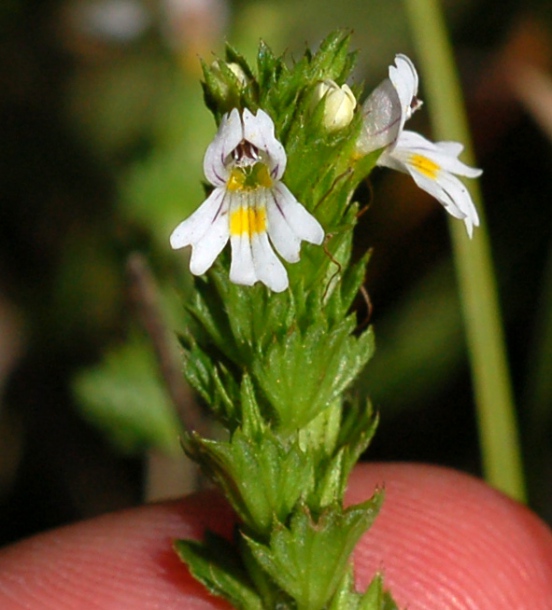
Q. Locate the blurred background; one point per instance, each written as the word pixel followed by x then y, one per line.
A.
pixel 103 132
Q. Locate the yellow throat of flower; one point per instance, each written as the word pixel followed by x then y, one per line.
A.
pixel 248 220
pixel 249 178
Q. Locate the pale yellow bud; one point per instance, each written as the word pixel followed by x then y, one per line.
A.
pixel 340 104
pixel 235 68
pixel 238 72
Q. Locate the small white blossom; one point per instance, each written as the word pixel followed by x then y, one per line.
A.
pixel 339 104
pixel 248 205
pixel 433 166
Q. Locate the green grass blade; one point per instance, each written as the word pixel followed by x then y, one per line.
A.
pixel 500 445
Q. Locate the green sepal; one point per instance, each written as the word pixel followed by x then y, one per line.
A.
pixel 336 439
pixel 353 279
pixel 320 435
pixel 280 86
pixel 234 56
pixel 214 383
pixel 255 315
pixel 269 67
pixel 308 558
pixel 252 423
pixel 223 91
pixel 363 166
pixel 343 279
pixel 238 320
pixel 375 597
pixel 331 484
pixel 216 563
pixel 357 429
pixel 345 597
pixel 262 478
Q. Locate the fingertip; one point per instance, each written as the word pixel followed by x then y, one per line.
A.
pixel 122 560
pixel 444 539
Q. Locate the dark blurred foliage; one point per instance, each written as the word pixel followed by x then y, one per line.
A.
pixel 52 186
pixel 62 171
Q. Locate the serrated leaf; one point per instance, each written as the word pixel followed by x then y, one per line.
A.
pixel 304 373
pixel 375 598
pixel 216 564
pixel 309 558
pixel 262 478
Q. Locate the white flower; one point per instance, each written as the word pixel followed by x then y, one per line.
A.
pixel 339 104
pixel 248 205
pixel 433 166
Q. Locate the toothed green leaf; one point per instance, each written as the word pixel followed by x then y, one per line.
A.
pixel 217 565
pixel 311 571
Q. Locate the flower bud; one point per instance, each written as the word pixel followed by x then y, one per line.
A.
pixel 238 72
pixel 235 68
pixel 340 104
pixel 224 85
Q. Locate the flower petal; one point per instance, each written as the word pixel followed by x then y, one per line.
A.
pixel 443 153
pixel 389 106
pixel 404 78
pixel 205 252
pixel 432 166
pixel 206 230
pixel 191 230
pixel 450 192
pixel 259 130
pixel 229 135
pixel 242 269
pixel 268 267
pixel 289 223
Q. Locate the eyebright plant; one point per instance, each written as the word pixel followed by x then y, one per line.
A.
pixel 273 342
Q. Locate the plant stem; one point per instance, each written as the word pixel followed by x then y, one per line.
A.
pixel 500 447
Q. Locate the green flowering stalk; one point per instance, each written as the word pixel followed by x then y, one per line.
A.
pixel 273 343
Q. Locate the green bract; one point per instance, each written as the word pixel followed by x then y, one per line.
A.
pixel 275 368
